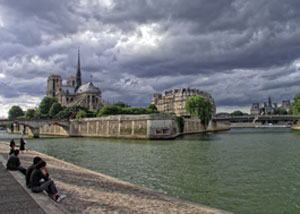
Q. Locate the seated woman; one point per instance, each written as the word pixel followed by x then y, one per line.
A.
pixel 41 173
pixel 12 146
pixel 14 163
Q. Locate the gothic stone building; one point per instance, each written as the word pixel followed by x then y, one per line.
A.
pixel 268 107
pixel 174 101
pixel 74 92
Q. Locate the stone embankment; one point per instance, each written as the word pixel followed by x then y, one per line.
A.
pixel 91 192
pixel 154 126
pixel 296 127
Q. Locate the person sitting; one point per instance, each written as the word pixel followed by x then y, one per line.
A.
pixel 11 152
pixel 29 170
pixel 14 163
pixel 41 173
pixel 12 146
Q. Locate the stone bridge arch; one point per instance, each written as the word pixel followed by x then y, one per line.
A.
pixel 35 125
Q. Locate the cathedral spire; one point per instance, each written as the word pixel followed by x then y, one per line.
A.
pixel 78 74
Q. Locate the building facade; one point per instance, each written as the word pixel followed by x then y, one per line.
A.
pixel 74 92
pixel 269 107
pixel 174 101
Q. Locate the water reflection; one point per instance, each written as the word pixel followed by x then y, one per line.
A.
pixel 242 170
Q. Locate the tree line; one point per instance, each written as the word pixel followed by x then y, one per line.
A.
pixel 50 108
pixel 197 106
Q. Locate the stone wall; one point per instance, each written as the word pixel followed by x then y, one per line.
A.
pixel 52 130
pixel 154 126
pixel 194 126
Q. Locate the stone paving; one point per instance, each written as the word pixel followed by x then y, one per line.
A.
pixel 13 198
pixel 91 192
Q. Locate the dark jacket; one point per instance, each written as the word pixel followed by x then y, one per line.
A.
pixel 12 144
pixel 28 174
pixel 36 176
pixel 13 163
pixel 11 152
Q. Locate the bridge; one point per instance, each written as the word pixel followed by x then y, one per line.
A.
pixel 35 125
pixel 259 118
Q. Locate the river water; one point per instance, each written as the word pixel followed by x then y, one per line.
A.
pixel 248 171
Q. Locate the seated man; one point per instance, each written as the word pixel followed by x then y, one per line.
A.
pixel 41 172
pixel 14 163
pixel 29 170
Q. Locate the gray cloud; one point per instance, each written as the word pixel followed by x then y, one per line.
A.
pixel 239 51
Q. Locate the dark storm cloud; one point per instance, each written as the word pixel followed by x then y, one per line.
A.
pixel 8 91
pixel 214 36
pixel 239 51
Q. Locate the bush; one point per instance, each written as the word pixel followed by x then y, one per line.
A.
pixel 81 114
pixel 116 109
pixel 110 110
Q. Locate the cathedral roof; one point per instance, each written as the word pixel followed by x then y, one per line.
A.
pixel 68 89
pixel 88 87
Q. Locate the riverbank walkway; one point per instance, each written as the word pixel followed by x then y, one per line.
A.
pixel 87 192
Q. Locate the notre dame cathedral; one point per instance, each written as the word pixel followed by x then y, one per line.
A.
pixel 74 92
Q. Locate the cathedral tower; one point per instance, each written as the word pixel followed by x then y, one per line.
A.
pixel 54 85
pixel 78 74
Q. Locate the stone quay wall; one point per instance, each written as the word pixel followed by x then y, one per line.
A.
pixel 194 126
pixel 154 126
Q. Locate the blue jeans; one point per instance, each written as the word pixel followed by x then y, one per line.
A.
pixel 48 186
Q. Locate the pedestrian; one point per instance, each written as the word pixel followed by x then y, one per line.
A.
pixel 12 146
pixel 29 170
pixel 41 173
pixel 14 164
pixel 22 145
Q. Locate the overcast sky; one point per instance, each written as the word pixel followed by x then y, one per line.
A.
pixel 239 51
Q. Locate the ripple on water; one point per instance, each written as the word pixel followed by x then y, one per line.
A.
pixel 245 171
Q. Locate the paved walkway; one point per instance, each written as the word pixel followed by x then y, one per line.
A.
pixel 94 193
pixel 13 198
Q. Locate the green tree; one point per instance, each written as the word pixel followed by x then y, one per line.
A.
pixel 55 109
pixel 110 110
pixel 81 114
pixel 152 107
pixel 237 113
pixel 121 104
pixel 280 111
pixel 15 112
pixel 46 104
pixel 200 108
pixel 30 114
pixel 295 108
pixel 64 114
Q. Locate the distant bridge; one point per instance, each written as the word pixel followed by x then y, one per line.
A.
pixel 258 118
pixel 35 125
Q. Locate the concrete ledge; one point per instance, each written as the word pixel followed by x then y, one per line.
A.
pixel 42 199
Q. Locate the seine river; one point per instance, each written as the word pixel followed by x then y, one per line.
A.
pixel 247 171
